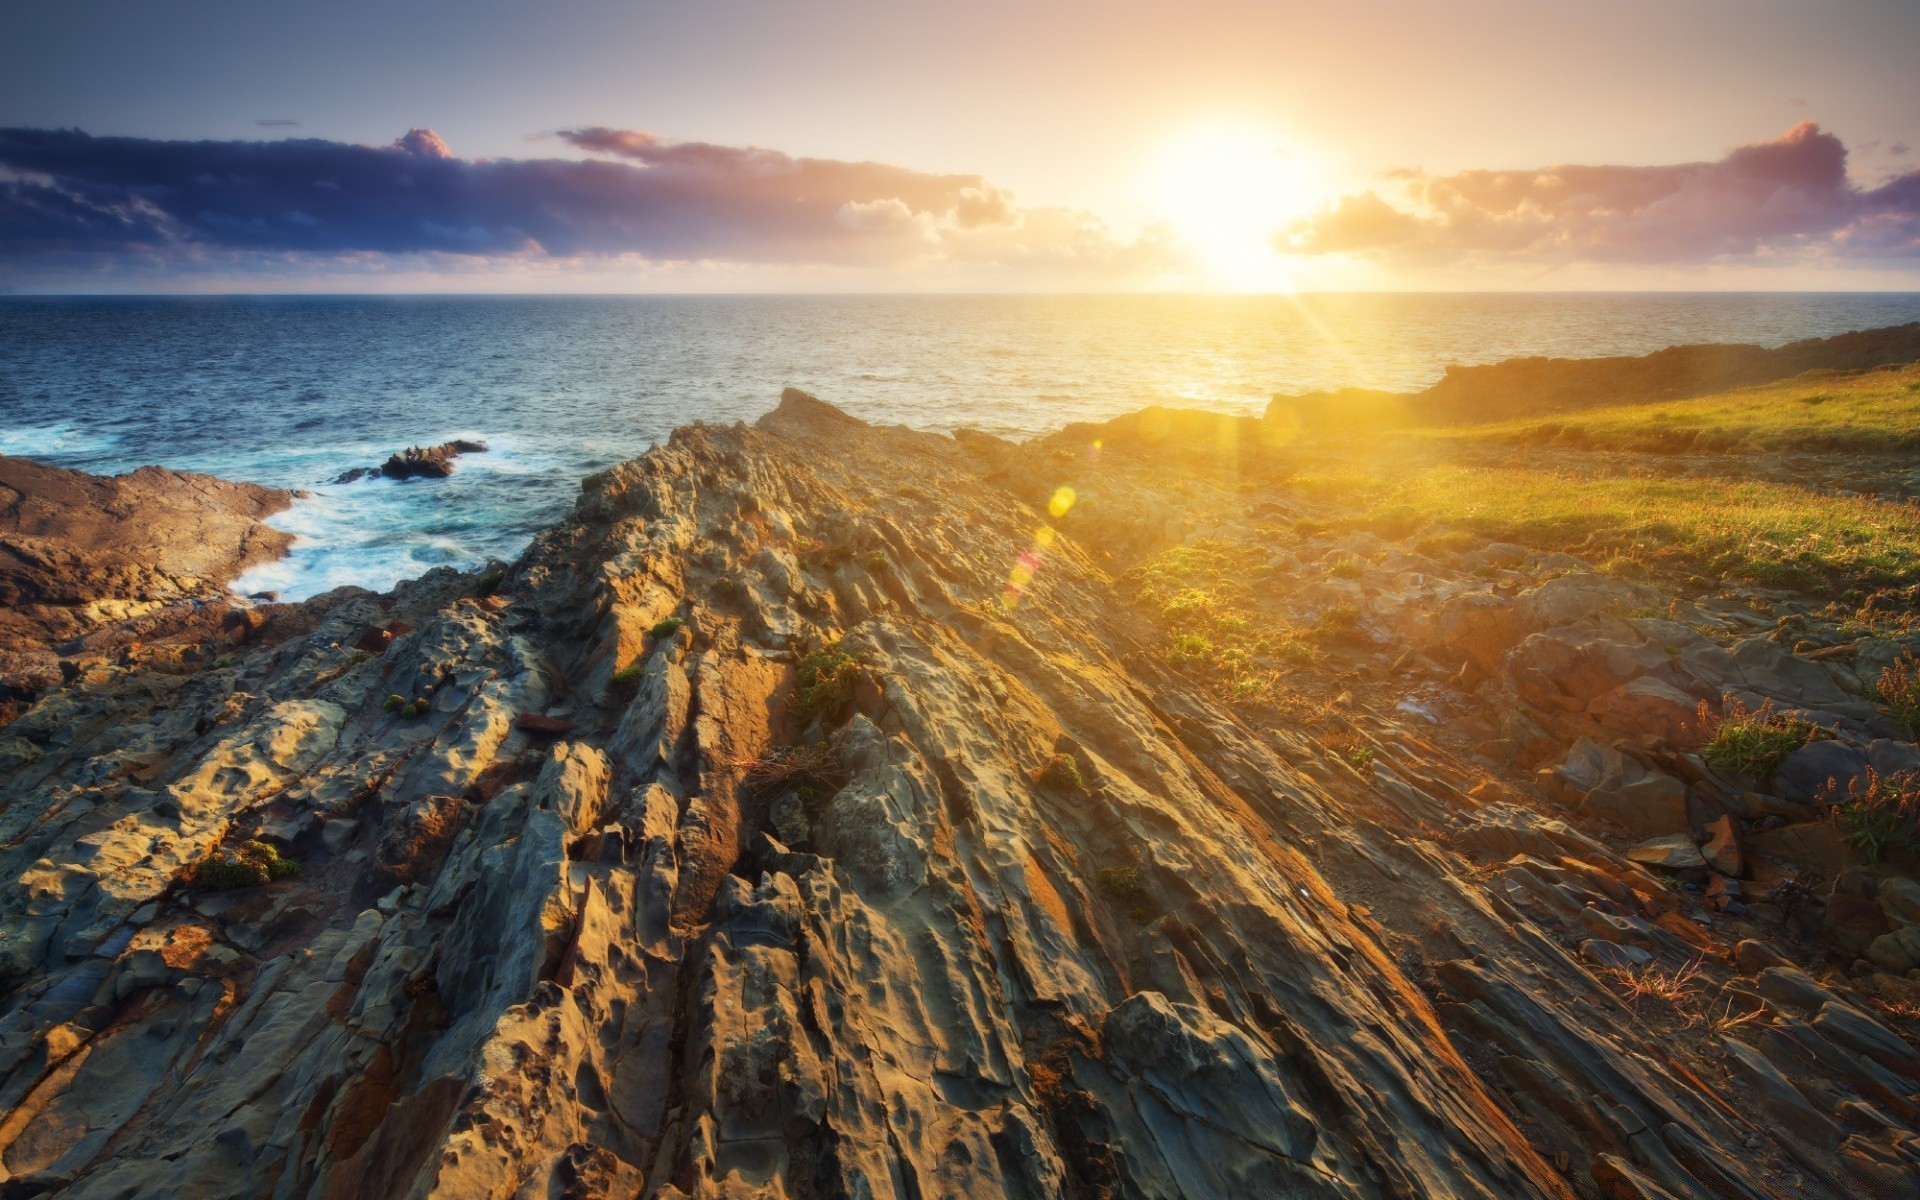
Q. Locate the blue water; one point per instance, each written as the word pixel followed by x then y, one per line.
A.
pixel 293 391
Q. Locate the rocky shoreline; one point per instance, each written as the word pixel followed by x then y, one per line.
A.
pixel 90 564
pixel 830 809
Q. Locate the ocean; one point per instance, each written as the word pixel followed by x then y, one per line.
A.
pixel 294 391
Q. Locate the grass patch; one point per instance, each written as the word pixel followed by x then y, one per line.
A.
pixel 665 629
pixel 1200 593
pixel 1766 533
pixel 1873 412
pixel 249 864
pixel 1884 815
pixel 627 678
pixel 824 682
pixel 1754 743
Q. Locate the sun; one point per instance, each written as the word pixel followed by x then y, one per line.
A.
pixel 1227 188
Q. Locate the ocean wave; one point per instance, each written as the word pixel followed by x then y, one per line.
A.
pixel 64 440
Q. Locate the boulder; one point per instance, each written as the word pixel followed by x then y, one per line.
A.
pixel 1823 768
pixel 1899 899
pixel 1773 672
pixel 1889 757
pixel 1653 805
pixel 1572 598
pixel 1898 951
pixel 1650 707
pixel 1478 626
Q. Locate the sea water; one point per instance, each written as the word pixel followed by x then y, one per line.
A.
pixel 294 391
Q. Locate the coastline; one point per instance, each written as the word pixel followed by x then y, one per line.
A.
pixel 1154 800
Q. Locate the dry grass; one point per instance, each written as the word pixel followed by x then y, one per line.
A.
pixel 1677 990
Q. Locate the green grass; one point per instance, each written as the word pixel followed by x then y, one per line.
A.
pixel 1766 533
pixel 823 683
pixel 1200 590
pixel 665 629
pixel 1755 743
pixel 1061 774
pixel 1876 411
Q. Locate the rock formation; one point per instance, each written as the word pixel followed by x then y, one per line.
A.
pixel 416 462
pixel 88 563
pixel 813 813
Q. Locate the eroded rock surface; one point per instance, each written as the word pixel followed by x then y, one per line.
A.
pixel 122 558
pixel 807 815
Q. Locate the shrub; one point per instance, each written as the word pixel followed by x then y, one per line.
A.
pixel 1755 743
pixel 823 684
pixel 395 703
pixel 874 560
pixel 1123 883
pixel 489 583
pixel 1189 649
pixel 665 629
pixel 248 865
pixel 627 678
pixel 1899 689
pixel 1344 567
pixel 1060 773
pixel 727 588
pixel 813 772
pixel 1360 758
pixel 1340 617
pixel 1883 815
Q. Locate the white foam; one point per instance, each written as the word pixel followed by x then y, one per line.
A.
pixel 62 440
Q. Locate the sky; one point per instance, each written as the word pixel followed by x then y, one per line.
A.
pixel 1051 145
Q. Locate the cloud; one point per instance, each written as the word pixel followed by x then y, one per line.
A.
pixel 1783 200
pixel 90 202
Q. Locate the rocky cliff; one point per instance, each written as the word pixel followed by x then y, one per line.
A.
pixel 817 812
pixel 117 559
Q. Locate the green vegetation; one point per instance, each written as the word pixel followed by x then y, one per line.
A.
pixel 1875 411
pixel 627 678
pixel 727 588
pixel 1060 773
pixel 248 865
pixel 489 583
pixel 1882 816
pixel 1360 758
pixel 665 629
pixel 1765 533
pixel 1345 567
pixel 1123 883
pixel 395 703
pixel 1755 743
pixel 823 683
pixel 406 709
pixel 1200 591
pixel 874 560
pixel 1899 690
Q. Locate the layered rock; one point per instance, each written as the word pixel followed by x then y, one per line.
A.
pixel 121 558
pixel 813 813
pixel 418 462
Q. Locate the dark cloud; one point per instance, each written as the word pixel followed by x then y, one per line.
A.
pixel 66 193
pixel 1783 200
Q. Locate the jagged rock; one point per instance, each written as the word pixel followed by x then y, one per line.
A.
pixel 1675 853
pixel 432 462
pixel 743 924
pixel 1722 849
